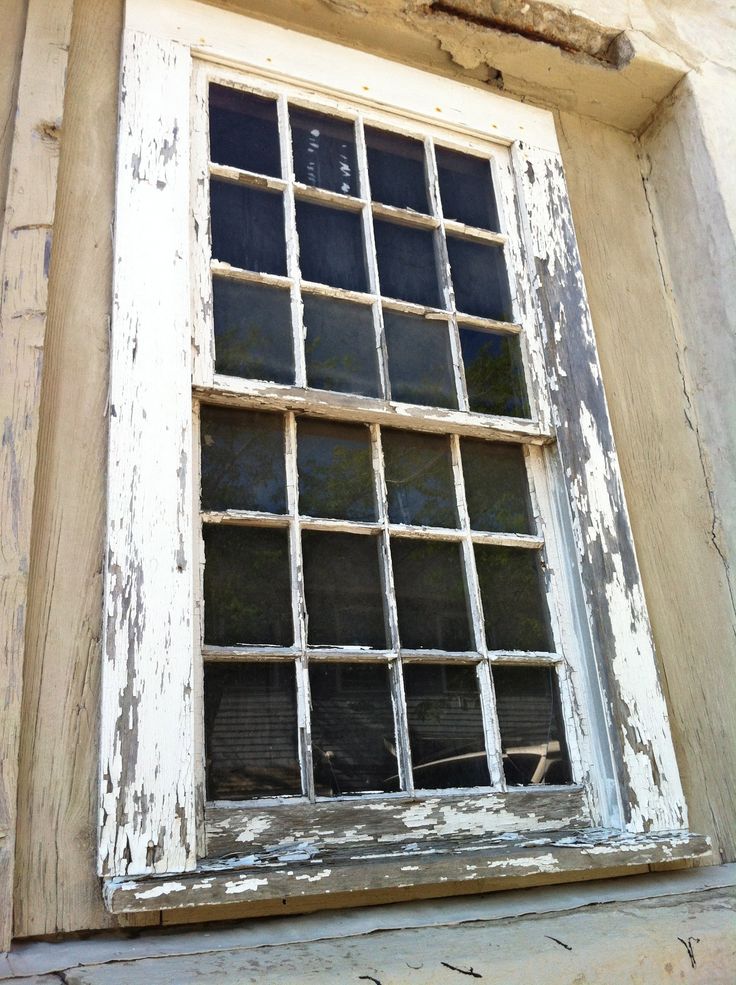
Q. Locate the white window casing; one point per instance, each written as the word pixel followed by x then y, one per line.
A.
pixel 160 844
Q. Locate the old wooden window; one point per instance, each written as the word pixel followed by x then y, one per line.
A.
pixel 372 598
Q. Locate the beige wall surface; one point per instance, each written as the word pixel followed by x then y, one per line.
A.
pixel 666 358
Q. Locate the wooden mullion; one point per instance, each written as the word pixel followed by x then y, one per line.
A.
pixel 239 176
pixel 443 266
pixel 404 217
pixel 292 244
pixel 229 272
pixel 374 281
pixel 396 671
pixel 323 196
pixel 245 518
pixel 488 324
pixel 299 611
pixel 474 233
pixel 475 603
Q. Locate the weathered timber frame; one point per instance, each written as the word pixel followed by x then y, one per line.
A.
pixel 627 804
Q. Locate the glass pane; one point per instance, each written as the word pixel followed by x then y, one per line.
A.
pixel 324 151
pixel 396 170
pixel 445 727
pixel 335 472
pixel 419 360
pixel 496 487
pixel 251 730
pixel 331 246
pixel 406 263
pixel 253 331
pixel 494 373
pixel 248 228
pixel 530 719
pixel 466 189
pixel 244 131
pixel 242 460
pixel 430 595
pixel 342 584
pixel 479 279
pixel 340 346
pixel 247 593
pixel 419 478
pixel 353 738
pixel 514 606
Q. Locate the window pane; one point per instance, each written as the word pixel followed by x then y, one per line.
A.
pixel 530 719
pixel 331 246
pixel 494 373
pixel 247 593
pixel 340 346
pixel 251 730
pixel 496 486
pixel 353 738
pixel 342 584
pixel 419 360
pixel 335 472
pixel 479 279
pixel 248 228
pixel 466 189
pixel 242 460
pixel 253 331
pixel 419 478
pixel 396 170
pixel 244 131
pixel 514 606
pixel 430 595
pixel 445 727
pixel 324 151
pixel 406 263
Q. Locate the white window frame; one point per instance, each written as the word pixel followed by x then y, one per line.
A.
pixel 156 840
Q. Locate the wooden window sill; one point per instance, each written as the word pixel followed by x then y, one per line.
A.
pixel 508 855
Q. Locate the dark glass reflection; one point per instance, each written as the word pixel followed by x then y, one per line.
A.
pixel 466 189
pixel 335 473
pixel 250 724
pixel 419 360
pixel 430 595
pixel 340 346
pixel 496 486
pixel 445 727
pixel 494 373
pixel 324 151
pixel 248 228
pixel 406 263
pixel 530 720
pixel 242 460
pixel 514 606
pixel 419 478
pixel 479 279
pixel 244 131
pixel 247 593
pixel 353 739
pixel 253 331
pixel 396 170
pixel 342 584
pixel 331 246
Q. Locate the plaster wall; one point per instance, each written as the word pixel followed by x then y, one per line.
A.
pixel 638 316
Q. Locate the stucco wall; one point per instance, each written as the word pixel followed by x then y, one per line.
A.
pixel 643 311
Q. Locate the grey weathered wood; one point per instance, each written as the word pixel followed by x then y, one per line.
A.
pixel 652 793
pixel 554 853
pixel 382 822
pixel 25 258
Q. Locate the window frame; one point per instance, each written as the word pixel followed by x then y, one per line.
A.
pixel 630 808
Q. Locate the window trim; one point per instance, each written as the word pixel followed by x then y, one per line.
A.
pixel 150 806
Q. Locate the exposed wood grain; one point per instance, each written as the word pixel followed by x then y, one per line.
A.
pixel 25 255
pixel 13 19
pixel 652 793
pixel 348 825
pixel 148 816
pixel 543 854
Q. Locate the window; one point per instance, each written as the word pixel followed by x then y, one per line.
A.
pixel 374 600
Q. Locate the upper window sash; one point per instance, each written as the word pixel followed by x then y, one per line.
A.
pixel 150 819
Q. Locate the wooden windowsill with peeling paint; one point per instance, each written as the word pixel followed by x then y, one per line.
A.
pixel 240 880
